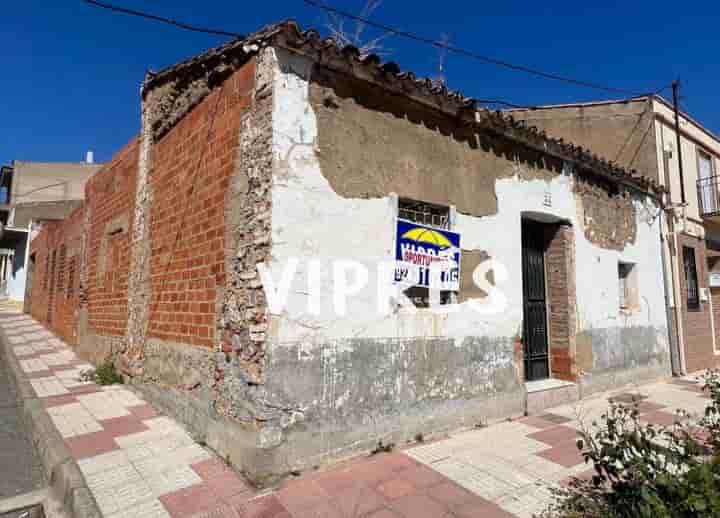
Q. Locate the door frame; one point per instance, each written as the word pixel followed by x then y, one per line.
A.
pixel 542 227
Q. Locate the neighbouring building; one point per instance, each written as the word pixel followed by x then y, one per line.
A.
pixel 640 133
pixel 284 150
pixel 31 194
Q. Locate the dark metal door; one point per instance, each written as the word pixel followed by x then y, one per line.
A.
pixel 535 339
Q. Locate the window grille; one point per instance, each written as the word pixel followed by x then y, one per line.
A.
pixel 424 213
pixel 691 279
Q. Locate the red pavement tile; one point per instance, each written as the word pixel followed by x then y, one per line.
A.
pixel 396 488
pixel 659 417
pixel 554 418
pixel 419 506
pixel 556 435
pixel 396 461
pixel 64 399
pixel 326 509
pixel 566 455
pixel 338 480
pixel 372 472
pixel 189 501
pixel 143 412
pixel 536 422
pixel 359 501
pixel 301 495
pixel 264 507
pixel 91 444
pixel 222 511
pixel 124 425
pixel 452 495
pixel 421 476
pixel 229 487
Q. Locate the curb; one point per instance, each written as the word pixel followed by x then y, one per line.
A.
pixel 66 481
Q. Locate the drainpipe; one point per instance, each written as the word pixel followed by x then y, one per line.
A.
pixel 679 342
pixel 677 352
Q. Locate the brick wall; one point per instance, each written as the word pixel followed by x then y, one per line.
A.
pixel 109 199
pixel 191 171
pixel 697 331
pixel 560 270
pixel 55 290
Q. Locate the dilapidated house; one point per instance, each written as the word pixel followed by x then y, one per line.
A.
pixel 286 151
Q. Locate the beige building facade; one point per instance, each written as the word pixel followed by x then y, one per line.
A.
pixel 32 193
pixel 641 134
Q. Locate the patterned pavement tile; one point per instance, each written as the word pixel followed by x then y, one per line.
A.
pixel 300 496
pixel 566 455
pixel 73 419
pixel 189 501
pixel 556 435
pixel 419 506
pixel 146 509
pixel 359 501
pixel 91 444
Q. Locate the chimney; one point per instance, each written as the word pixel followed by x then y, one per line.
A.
pixel 89 157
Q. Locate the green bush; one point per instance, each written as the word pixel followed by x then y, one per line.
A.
pixel 105 374
pixel 642 470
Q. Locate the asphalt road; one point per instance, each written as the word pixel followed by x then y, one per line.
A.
pixel 20 469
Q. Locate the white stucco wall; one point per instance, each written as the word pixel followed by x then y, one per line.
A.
pixel 310 220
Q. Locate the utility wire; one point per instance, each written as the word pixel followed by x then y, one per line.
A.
pixel 470 54
pixel 162 19
pixel 405 34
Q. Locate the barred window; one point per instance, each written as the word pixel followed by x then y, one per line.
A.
pixel 61 269
pixel 71 276
pixel 691 278
pixel 424 213
pixel 46 279
pixel 432 215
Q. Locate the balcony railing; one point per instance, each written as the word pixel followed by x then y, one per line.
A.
pixel 709 196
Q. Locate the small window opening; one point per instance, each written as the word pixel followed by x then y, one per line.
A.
pixel 431 215
pixel 424 213
pixel 691 278
pixel 627 288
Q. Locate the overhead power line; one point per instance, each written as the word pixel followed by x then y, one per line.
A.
pixel 162 19
pixel 467 53
pixel 405 34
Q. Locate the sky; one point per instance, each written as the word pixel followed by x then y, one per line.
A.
pixel 70 73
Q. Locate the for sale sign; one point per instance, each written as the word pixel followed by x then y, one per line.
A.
pixel 421 250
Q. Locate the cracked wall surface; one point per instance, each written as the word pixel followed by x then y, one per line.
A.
pixel 281 160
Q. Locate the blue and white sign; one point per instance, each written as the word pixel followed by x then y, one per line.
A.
pixel 417 247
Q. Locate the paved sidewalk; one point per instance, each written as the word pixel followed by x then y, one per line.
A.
pixel 20 468
pixel 139 463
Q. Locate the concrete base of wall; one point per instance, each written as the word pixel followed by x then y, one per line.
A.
pixel 264 462
pixel 592 383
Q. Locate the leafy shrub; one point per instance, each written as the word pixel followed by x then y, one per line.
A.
pixel 105 374
pixel 642 470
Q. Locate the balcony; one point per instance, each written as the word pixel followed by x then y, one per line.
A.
pixel 709 196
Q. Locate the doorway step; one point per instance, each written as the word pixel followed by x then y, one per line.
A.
pixel 548 393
